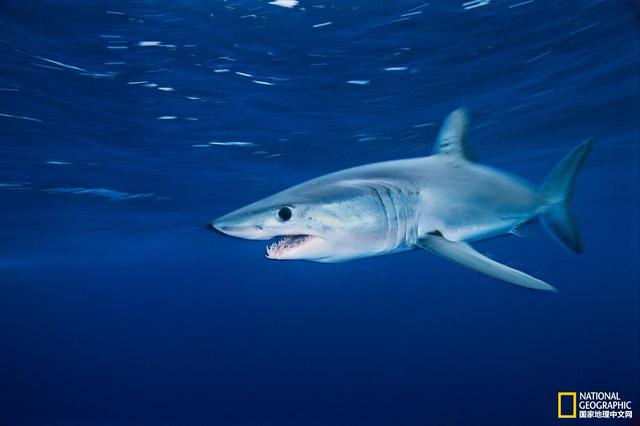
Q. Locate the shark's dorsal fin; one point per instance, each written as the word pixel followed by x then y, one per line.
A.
pixel 452 139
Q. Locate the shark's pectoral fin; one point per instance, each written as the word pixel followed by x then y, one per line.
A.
pixel 464 254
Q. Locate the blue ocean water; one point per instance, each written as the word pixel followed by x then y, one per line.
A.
pixel 126 126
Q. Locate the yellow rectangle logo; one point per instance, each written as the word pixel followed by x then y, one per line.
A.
pixel 574 397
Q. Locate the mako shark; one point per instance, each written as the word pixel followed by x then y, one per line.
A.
pixel 440 203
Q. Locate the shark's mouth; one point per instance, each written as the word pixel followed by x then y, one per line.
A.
pixel 286 244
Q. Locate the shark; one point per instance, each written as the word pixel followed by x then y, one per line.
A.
pixel 441 203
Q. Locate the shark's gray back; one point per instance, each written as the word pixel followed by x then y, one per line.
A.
pixel 461 200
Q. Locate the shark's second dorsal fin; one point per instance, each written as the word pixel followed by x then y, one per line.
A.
pixel 452 139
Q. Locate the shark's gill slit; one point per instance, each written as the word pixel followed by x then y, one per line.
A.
pixel 384 210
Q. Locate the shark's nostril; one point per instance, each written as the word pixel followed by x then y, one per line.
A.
pixel 210 227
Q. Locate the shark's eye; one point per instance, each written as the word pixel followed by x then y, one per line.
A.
pixel 284 214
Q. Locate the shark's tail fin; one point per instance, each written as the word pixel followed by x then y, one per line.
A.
pixel 557 189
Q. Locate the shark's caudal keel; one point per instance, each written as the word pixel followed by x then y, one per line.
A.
pixel 439 203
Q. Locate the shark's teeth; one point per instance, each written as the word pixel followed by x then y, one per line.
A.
pixel 281 247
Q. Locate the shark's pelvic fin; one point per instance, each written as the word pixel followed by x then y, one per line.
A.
pixel 452 139
pixel 557 189
pixel 464 254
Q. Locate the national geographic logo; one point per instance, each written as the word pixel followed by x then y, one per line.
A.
pixel 593 405
pixel 567 403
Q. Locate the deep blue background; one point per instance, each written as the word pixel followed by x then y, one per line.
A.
pixel 118 308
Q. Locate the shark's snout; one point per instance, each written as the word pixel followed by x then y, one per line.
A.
pixel 239 230
pixel 218 228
